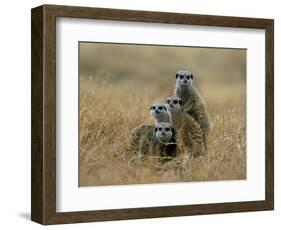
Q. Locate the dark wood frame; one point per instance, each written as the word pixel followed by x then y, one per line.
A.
pixel 43 160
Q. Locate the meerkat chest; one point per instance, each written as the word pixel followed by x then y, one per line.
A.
pixel 177 120
pixel 183 96
pixel 187 97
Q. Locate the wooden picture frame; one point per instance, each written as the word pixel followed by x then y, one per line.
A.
pixel 43 170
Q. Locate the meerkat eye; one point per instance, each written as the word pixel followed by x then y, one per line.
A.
pixel 168 101
pixel 160 129
pixel 181 77
pixel 175 102
pixel 153 107
pixel 167 129
pixel 188 77
pixel 160 107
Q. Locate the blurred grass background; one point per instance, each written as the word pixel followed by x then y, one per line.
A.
pixel 118 83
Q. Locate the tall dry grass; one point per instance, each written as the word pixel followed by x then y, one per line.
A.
pixel 109 111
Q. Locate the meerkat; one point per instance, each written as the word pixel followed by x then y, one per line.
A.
pixel 157 140
pixel 160 113
pixel 192 101
pixel 189 130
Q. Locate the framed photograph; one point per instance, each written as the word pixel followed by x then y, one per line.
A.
pixel 140 114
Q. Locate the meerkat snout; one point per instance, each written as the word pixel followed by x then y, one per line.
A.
pixel 184 78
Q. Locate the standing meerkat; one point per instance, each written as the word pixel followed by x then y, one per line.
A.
pixel 189 130
pixel 192 101
pixel 154 140
pixel 160 113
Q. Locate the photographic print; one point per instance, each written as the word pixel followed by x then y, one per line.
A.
pixel 121 107
pixel 161 114
pixel 154 105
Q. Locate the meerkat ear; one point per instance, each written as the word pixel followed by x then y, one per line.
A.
pixel 155 129
pixel 180 102
pixel 177 75
pixel 174 132
pixel 191 76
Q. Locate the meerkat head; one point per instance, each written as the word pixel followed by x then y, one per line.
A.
pixel 160 112
pixel 165 132
pixel 184 78
pixel 173 104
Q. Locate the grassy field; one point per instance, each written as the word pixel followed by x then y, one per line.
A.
pixel 112 106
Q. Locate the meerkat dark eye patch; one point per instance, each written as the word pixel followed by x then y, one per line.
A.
pixel 167 129
pixel 175 102
pixel 181 77
pixel 188 77
pixel 152 107
pixel 159 129
pixel 160 107
pixel 168 101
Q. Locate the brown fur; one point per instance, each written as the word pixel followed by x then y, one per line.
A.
pixel 190 132
pixel 194 105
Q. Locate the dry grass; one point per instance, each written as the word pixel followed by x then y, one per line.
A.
pixel 109 112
